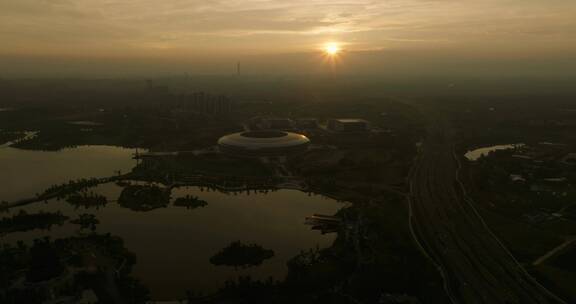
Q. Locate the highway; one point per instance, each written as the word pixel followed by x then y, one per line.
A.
pixel 475 265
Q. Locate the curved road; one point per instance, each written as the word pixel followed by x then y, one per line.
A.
pixel 476 267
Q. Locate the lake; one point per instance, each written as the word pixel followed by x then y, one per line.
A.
pixel 173 245
pixel 474 155
pixel 24 173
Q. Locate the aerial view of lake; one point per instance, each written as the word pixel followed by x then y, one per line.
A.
pixel 173 245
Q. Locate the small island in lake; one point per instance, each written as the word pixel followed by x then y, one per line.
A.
pixel 241 255
pixel 190 202
pixel 144 197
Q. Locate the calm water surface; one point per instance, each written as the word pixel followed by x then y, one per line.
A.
pixel 477 153
pixel 24 173
pixel 172 245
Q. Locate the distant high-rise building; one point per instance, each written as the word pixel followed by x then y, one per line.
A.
pixel 206 103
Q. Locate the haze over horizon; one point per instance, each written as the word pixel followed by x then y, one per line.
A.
pixel 393 37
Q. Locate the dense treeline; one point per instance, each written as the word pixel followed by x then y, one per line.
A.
pixel 87 200
pixel 86 221
pixel 70 187
pixel 23 221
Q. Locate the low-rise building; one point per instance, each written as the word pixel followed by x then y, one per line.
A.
pixel 278 124
pixel 307 124
pixel 348 125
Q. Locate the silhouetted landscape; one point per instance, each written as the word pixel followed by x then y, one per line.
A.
pixel 267 152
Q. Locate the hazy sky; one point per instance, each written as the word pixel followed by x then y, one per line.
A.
pixel 94 35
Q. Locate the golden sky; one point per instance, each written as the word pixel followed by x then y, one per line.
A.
pixel 211 30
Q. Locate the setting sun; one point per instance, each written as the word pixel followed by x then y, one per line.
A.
pixel 332 49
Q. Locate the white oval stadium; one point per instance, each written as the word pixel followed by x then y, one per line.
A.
pixel 263 143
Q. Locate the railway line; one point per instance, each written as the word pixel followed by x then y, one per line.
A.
pixel 475 265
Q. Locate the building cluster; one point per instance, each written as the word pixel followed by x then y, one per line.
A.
pixel 348 125
pixel 536 181
pixel 206 103
pixel 339 125
pixel 542 167
pixel 273 136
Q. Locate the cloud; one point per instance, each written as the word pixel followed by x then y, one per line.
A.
pixel 106 27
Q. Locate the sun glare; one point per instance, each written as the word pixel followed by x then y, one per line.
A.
pixel 332 49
